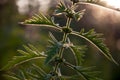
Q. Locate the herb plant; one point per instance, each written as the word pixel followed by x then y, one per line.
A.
pixel 53 57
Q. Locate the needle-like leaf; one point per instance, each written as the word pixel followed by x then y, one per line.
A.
pixel 53 49
pixel 28 55
pixel 95 39
pixel 78 52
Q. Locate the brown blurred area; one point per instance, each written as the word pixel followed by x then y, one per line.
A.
pixel 105 20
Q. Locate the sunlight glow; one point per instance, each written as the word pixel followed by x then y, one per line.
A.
pixel 24 5
pixel 44 5
pixel 114 3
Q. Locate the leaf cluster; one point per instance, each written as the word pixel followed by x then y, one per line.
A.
pixel 40 19
pixel 31 53
pixel 68 11
pixel 53 49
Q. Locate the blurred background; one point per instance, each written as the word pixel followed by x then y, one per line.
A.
pixel 103 15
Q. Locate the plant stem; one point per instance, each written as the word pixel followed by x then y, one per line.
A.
pixel 65 35
pixel 68 22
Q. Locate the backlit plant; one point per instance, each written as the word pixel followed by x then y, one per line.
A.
pixel 53 57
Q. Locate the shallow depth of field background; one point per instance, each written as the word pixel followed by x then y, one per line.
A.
pixel 13 35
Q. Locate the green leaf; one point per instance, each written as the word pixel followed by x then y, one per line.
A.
pixel 83 73
pixel 95 39
pixel 63 9
pixel 87 73
pixel 39 70
pixel 60 8
pixel 78 51
pixel 78 15
pixel 33 76
pixel 19 75
pixel 53 49
pixel 31 53
pixel 35 72
pixel 41 20
pixel 51 52
pixel 52 37
pixel 10 77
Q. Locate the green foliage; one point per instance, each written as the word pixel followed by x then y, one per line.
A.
pixel 53 49
pixel 54 52
pixel 78 51
pixel 78 15
pixel 95 39
pixel 34 73
pixel 39 70
pixel 31 53
pixel 83 73
pixel 61 8
pixel 88 73
pixel 69 12
pixel 11 77
pixel 39 19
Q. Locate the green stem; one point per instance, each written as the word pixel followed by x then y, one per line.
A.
pixel 63 41
pixel 64 37
pixel 68 22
